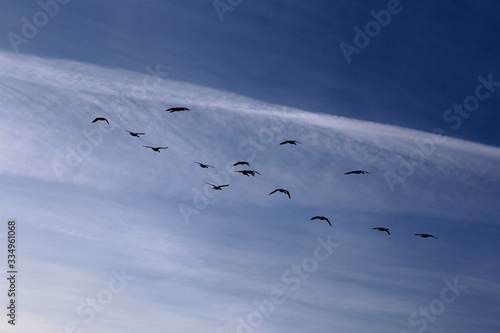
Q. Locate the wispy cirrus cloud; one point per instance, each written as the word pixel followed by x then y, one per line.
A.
pixel 119 206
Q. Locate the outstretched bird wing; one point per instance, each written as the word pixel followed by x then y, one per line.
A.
pixel 211 184
pixel 322 218
pixel 288 193
pixel 356 172
pixel 177 109
pixel 100 118
pixel 387 230
pixel 273 192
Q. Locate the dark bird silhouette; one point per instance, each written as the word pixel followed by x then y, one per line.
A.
pixel 177 109
pixel 425 235
pixel 204 166
pixel 322 218
pixel 241 163
pixel 282 191
pixel 357 172
pixel 382 229
pixel 217 187
pixel 135 134
pixel 248 172
pixel 100 119
pixel 156 148
pixel 291 142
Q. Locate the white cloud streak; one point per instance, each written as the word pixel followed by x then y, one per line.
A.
pixel 119 206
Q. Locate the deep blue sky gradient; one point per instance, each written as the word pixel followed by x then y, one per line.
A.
pixel 288 53
pixel 270 71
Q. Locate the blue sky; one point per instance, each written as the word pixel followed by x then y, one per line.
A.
pixel 288 53
pixel 100 217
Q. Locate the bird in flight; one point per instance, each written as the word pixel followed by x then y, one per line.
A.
pixel 100 119
pixel 425 235
pixel 135 134
pixel 217 187
pixel 204 166
pixel 357 172
pixel 241 163
pixel 382 229
pixel 156 148
pixel 177 109
pixel 291 142
pixel 322 218
pixel 282 191
pixel 248 172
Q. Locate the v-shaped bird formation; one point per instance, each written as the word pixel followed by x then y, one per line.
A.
pixel 252 173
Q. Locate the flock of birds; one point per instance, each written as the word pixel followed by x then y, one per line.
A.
pixel 249 173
